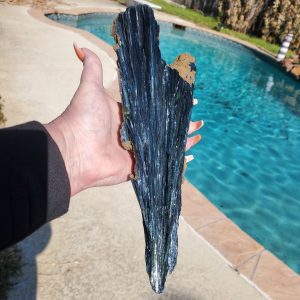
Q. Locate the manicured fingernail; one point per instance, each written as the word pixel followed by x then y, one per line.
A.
pixel 199 124
pixel 195 126
pixel 78 51
pixel 195 101
pixel 189 158
pixel 196 139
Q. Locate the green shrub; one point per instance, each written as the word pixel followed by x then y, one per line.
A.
pixel 10 268
pixel 2 118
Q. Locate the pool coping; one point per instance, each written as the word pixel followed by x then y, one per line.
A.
pixel 259 267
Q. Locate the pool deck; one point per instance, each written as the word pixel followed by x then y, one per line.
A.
pixel 98 247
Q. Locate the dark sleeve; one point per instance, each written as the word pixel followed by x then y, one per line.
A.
pixel 34 185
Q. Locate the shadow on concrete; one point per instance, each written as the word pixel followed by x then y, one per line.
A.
pixel 33 245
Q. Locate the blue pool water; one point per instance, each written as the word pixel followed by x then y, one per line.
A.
pixel 248 162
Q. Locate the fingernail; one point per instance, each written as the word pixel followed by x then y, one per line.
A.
pixel 78 52
pixel 189 158
pixel 198 124
pixel 197 139
pixel 195 101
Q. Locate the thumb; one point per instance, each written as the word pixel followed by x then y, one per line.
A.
pixel 92 67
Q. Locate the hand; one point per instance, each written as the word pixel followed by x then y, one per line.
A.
pixel 87 132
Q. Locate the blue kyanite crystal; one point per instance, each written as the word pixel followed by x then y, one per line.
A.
pixel 157 101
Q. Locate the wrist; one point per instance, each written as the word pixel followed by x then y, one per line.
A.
pixel 64 138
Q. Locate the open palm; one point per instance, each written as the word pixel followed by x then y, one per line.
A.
pixel 87 133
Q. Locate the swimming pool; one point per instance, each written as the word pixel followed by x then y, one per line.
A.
pixel 248 162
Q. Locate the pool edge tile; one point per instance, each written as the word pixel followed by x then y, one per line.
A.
pixel 234 244
pixel 249 266
pixel 262 269
pixel 276 279
pixel 196 209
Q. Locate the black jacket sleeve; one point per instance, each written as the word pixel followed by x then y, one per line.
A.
pixel 34 185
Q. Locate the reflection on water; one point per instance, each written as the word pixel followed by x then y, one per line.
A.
pixel 286 90
pixel 289 94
